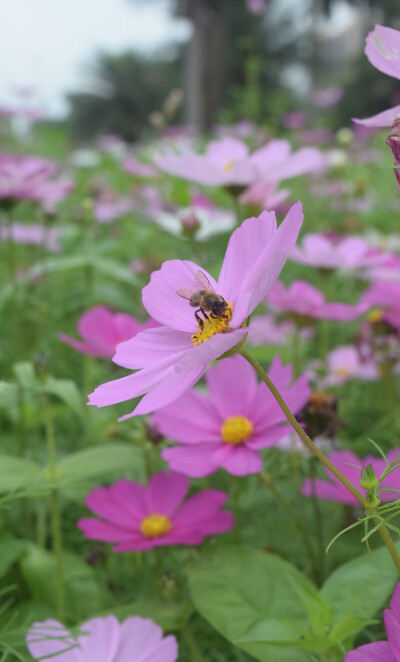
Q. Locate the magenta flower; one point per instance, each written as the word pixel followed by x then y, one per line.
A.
pixel 333 490
pixel 33 234
pixel 173 357
pixel 102 330
pixel 388 270
pixel 227 162
pixel 386 296
pixel 30 178
pixel 137 518
pixel 382 50
pixel 382 651
pixel 333 252
pixel 305 302
pixel 137 639
pixel 228 427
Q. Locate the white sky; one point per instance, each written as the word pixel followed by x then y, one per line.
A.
pixel 49 45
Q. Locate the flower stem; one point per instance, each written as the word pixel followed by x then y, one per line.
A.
pixel 192 644
pixel 319 454
pixel 55 511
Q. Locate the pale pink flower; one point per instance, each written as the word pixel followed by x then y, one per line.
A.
pixel 328 97
pixel 388 270
pixel 382 651
pixel 386 296
pixel 333 252
pixel 304 301
pixel 139 169
pixel 201 220
pixel 230 425
pixel 256 7
pixel 31 178
pixel 109 206
pixel 138 518
pixel 173 357
pixel 333 490
pixel 136 639
pixel 345 363
pixel 102 330
pixel 33 234
pixel 382 50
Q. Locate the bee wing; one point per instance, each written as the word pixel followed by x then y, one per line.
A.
pixel 201 281
pixel 185 292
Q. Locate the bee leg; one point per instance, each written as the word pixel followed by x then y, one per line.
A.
pixel 198 318
pixel 204 313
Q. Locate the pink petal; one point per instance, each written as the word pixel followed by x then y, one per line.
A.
pixel 128 387
pixel 385 118
pixel 100 639
pixel 141 640
pixel 190 419
pixel 267 436
pixel 379 651
pixel 328 491
pixel 211 349
pixel 392 625
pixel 165 492
pixel 97 323
pixel 152 346
pixel 238 460
pixel 200 508
pixel 194 460
pixel 161 300
pixel 267 267
pixel 100 502
pixel 100 350
pixel 95 529
pixel 232 386
pixel 383 50
pixel 244 248
pixel 50 637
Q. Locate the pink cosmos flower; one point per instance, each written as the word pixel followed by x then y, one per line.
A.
pixel 137 639
pixel 102 330
pixel 332 252
pixel 305 301
pixel 109 206
pixel 138 169
pixel 138 518
pixel 174 356
pixel 228 427
pixel 333 490
pixel 33 234
pixel 388 270
pixel 256 7
pixel 385 295
pixel 328 97
pixel 264 195
pixel 30 178
pixel 227 162
pixel 265 330
pixel 345 363
pixel 382 50
pixel 201 220
pixel 382 651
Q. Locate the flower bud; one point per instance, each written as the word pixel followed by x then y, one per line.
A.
pixel 368 480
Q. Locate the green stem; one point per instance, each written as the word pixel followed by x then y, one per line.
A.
pixel 55 511
pixel 192 644
pixel 265 479
pixel 319 454
pixel 318 519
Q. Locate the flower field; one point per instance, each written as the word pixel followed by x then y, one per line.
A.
pixel 200 393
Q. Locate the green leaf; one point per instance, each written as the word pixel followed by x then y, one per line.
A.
pixel 67 391
pixel 11 551
pixel 97 461
pixel 83 595
pixel 358 589
pixel 169 615
pixel 25 374
pixel 260 603
pixel 19 474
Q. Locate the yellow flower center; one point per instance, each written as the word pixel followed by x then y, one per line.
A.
pixel 375 315
pixel 343 371
pixel 155 525
pixel 236 430
pixel 213 325
pixel 229 166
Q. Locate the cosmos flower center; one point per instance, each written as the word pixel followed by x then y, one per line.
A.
pixel 343 371
pixel 155 525
pixel 229 165
pixel 213 325
pixel 375 315
pixel 236 430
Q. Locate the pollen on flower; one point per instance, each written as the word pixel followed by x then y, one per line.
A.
pixel 229 166
pixel 343 371
pixel 236 430
pixel 375 315
pixel 213 325
pixel 155 525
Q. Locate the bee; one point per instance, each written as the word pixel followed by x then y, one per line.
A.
pixel 203 296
